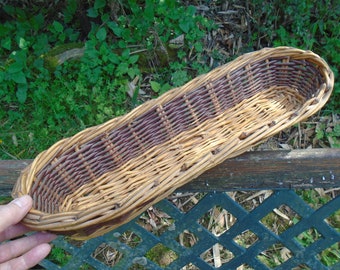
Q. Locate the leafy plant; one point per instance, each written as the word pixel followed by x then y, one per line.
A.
pixel 59 256
pixel 330 256
pixel 305 24
pixel 46 94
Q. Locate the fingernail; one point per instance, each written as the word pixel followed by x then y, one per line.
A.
pixel 22 201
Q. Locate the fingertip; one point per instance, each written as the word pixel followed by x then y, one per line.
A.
pixel 45 248
pixel 47 236
pixel 54 236
pixel 30 258
pixel 41 251
pixel 37 254
pixel 23 201
pixel 15 211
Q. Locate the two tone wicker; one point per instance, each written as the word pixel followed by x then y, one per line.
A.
pixel 106 175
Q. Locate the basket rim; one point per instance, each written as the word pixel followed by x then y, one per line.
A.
pixel 26 179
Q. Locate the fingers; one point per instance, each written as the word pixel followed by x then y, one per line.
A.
pixel 13 231
pixel 20 246
pixel 29 259
pixel 14 212
pixel 25 252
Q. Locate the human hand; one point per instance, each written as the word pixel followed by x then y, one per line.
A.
pixel 25 252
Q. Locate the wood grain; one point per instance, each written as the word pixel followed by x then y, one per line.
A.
pixel 312 168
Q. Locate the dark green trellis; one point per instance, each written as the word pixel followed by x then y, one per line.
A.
pixel 132 256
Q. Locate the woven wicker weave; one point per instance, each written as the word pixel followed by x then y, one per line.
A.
pixel 106 175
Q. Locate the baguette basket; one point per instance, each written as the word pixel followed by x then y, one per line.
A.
pixel 106 175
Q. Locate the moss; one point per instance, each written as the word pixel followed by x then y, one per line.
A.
pixel 5 199
pixel 161 255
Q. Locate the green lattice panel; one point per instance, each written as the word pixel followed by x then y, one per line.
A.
pixel 136 256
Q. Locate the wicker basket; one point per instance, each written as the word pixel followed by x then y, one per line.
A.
pixel 106 175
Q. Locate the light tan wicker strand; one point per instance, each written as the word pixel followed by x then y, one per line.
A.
pixel 106 175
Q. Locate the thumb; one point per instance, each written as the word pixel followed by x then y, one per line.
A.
pixel 15 211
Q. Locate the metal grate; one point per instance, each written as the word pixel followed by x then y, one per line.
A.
pixel 195 222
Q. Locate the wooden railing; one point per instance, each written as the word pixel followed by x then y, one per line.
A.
pixel 283 172
pixel 309 168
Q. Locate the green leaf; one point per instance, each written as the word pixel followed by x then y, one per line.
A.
pixel 19 77
pixel 155 86
pixel 191 11
pixel 41 44
pixel 15 67
pixel 121 44
pixel 164 88
pixel 185 26
pixel 198 46
pixel 20 58
pixel 58 27
pixel 122 68
pixel 37 21
pixel 6 43
pixel 23 44
pixel 101 34
pixel 149 10
pixel 132 72
pixel 99 4
pixel 92 13
pixel 114 58
pixel 133 59
pixel 105 17
pixel 336 130
pixel 180 77
pixel 71 9
pixel 22 92
pixel 115 28
pixel 126 34
pixel 2 76
pixel 135 8
pixel 16 13
pixel 126 54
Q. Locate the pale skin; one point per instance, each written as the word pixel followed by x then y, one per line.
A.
pixel 25 252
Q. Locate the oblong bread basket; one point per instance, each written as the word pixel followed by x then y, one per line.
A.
pixel 106 175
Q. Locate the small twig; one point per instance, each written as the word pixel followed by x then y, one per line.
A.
pixel 10 155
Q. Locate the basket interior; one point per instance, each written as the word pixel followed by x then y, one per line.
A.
pixel 262 91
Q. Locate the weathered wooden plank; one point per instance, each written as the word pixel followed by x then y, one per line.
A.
pixel 312 168
pixel 9 172
pixel 253 170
